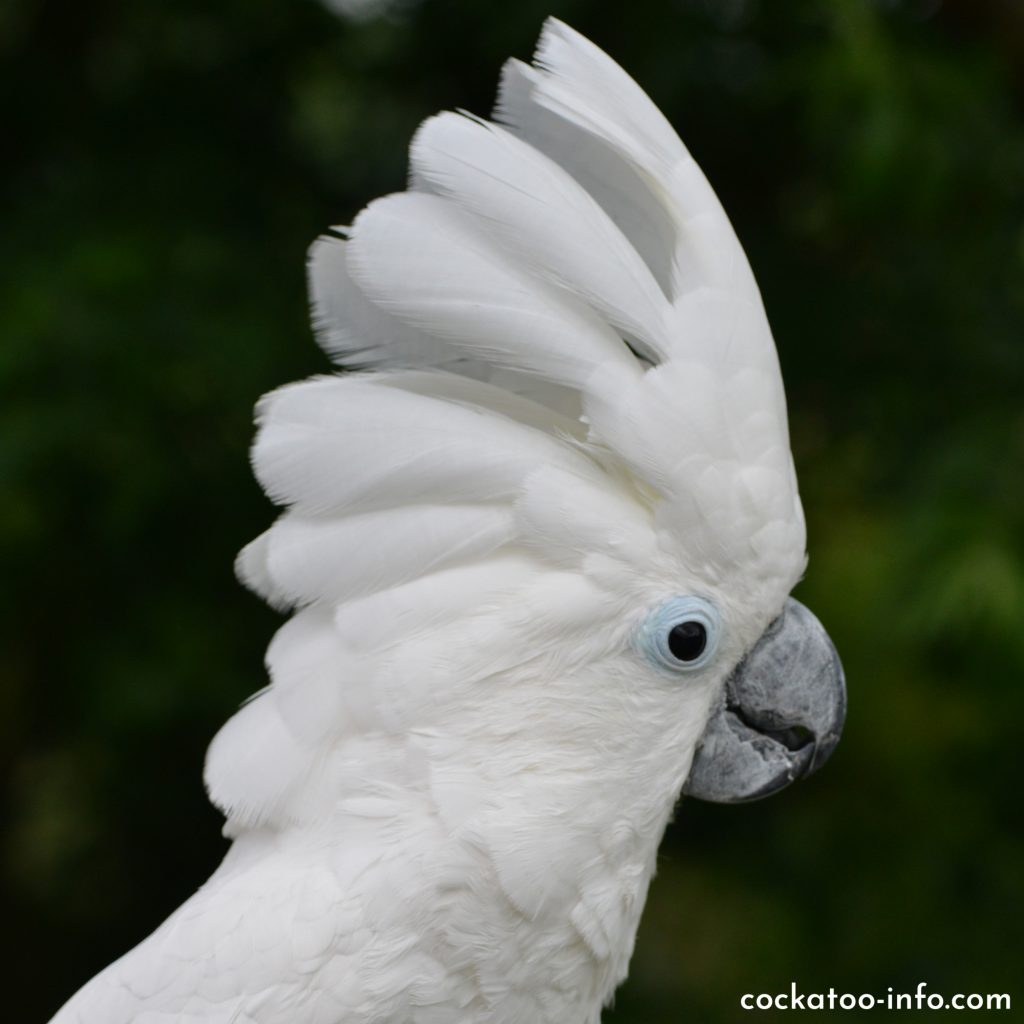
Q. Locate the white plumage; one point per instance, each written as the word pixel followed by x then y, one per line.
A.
pixel 447 804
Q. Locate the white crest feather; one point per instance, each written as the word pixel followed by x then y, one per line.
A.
pixel 578 106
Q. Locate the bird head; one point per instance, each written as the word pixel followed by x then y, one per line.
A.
pixel 541 533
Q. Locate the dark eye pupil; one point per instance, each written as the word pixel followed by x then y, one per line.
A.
pixel 687 641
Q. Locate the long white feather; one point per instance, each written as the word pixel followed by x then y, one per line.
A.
pixel 426 263
pixel 356 334
pixel 638 163
pixel 330 559
pixel 411 447
pixel 614 181
pixel 541 216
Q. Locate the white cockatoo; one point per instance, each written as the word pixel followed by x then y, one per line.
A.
pixel 539 551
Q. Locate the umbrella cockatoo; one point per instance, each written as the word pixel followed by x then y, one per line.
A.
pixel 539 551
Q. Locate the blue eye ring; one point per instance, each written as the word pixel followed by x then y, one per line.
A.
pixel 680 635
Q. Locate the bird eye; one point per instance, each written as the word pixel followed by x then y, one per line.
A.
pixel 688 640
pixel 681 634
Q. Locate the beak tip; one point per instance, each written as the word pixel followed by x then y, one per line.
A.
pixel 823 749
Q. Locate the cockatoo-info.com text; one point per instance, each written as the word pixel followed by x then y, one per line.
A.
pixel 539 551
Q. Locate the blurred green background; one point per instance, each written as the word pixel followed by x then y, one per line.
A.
pixel 165 167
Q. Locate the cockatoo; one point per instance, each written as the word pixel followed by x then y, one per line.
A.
pixel 539 550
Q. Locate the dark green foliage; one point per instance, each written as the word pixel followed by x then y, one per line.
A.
pixel 166 166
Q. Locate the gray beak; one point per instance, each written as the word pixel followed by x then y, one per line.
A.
pixel 779 717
